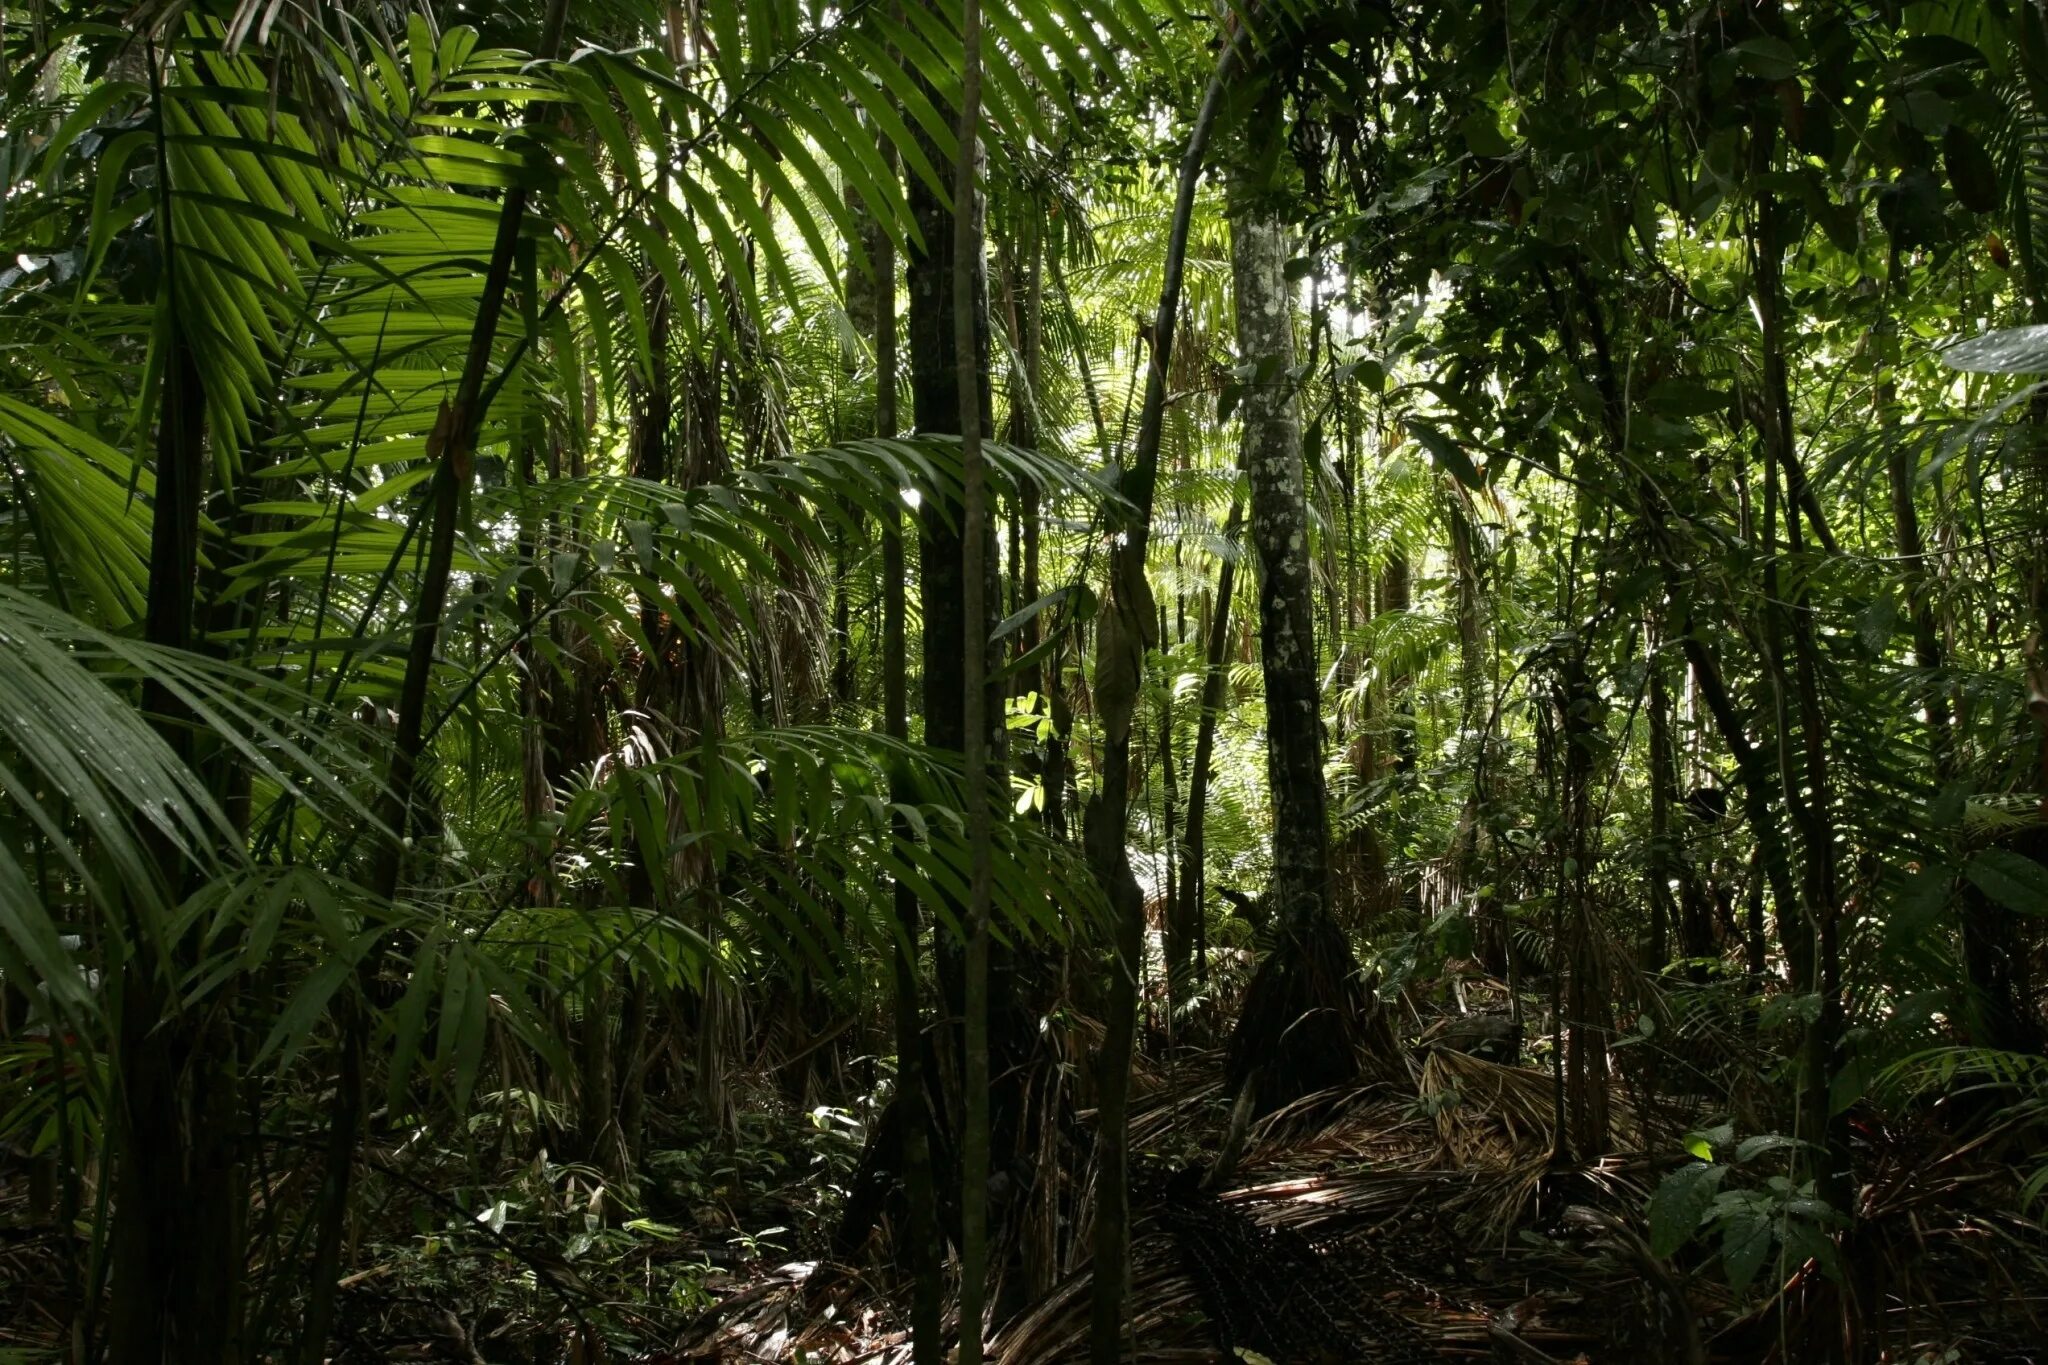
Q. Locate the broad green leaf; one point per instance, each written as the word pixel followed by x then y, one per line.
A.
pixel 2016 882
pixel 308 1005
pixel 2013 350
pixel 1679 1202
pixel 1448 454
pixel 1754 1147
pixel 1746 1240
pixel 409 1023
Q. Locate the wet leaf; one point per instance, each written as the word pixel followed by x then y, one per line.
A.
pixel 1679 1204
pixel 2010 350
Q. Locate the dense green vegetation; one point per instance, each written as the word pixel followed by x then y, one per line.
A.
pixel 1393 704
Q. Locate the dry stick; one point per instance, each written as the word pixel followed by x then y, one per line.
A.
pixel 1104 836
pixel 974 1149
pixel 453 446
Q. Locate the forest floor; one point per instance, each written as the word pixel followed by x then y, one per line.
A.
pixel 1440 1217
pixel 1436 1207
pixel 1435 1213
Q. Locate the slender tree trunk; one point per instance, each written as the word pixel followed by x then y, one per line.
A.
pixel 1670 863
pixel 452 448
pixel 1396 595
pixel 1588 1006
pixel 1991 951
pixel 1812 807
pixel 609 1065
pixel 1473 704
pixel 536 787
pixel 1664 855
pixel 918 1247
pixel 1753 768
pixel 948 308
pixel 975 1146
pixel 1059 281
pixel 1475 729
pixel 178 1242
pixel 864 285
pixel 1927 650
pixel 1031 680
pixel 1127 626
pixel 2032 68
pixel 1169 798
pixel 1184 940
pixel 1993 956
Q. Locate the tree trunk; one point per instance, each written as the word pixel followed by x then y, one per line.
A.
pixel 1306 1013
pixel 918 1247
pixel 1811 799
pixel 977 564
pixel 1279 529
pixel 1664 854
pixel 1588 1003
pixel 452 449
pixel 1396 595
pixel 1927 650
pixel 1993 956
pixel 1127 627
pixel 1476 745
pixel 176 1243
pixel 1184 937
pixel 1753 768
pixel 609 1066
pixel 1670 861
pixel 941 389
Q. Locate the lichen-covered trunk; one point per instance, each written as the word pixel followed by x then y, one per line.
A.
pixel 1306 1014
pixel 1279 528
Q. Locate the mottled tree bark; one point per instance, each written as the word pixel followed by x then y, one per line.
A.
pixel 1279 530
pixel 1306 1014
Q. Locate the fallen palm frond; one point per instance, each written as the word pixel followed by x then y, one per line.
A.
pixel 1496 1116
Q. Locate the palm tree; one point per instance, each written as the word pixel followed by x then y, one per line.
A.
pixel 346 274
